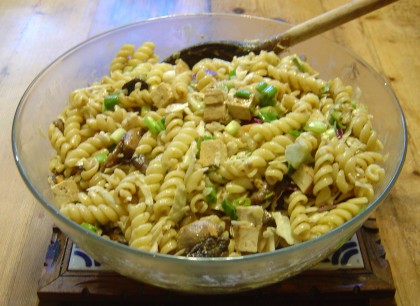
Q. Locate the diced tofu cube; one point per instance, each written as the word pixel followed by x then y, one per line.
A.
pixel 240 108
pixel 162 95
pixel 215 107
pixel 215 112
pixel 212 152
pixel 246 237
pixel 214 96
pixel 303 178
pixel 253 214
pixel 65 192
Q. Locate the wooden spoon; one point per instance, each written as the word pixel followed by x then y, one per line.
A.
pixel 228 49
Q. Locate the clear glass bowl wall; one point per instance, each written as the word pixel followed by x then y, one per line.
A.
pixel 48 94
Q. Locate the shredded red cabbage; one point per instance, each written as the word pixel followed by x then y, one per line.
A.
pixel 339 133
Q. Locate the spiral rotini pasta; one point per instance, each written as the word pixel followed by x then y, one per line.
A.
pixel 121 58
pixel 218 159
pixel 323 173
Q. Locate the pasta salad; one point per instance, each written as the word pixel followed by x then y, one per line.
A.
pixel 219 159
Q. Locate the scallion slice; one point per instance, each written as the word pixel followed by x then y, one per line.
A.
pixel 101 158
pixel 243 93
pixel 260 86
pixel 295 133
pixel 229 209
pixel 267 114
pixel 118 134
pixel 90 227
pixel 110 101
pixel 211 197
pixel 318 127
pixel 154 126
pixel 233 127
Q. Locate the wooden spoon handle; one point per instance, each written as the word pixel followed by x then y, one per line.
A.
pixel 324 22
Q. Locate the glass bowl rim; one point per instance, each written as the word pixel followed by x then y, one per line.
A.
pixel 170 258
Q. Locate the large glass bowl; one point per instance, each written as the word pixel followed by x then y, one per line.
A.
pixel 48 94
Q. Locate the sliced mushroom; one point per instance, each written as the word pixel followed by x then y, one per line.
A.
pixel 130 141
pixel 140 162
pixel 259 196
pixel 125 148
pixel 59 124
pixel 268 219
pixel 198 231
pixel 114 157
pixel 131 85
pixel 210 247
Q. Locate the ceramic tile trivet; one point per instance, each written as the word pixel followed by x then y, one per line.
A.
pixel 356 274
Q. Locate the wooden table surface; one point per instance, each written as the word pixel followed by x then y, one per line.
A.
pixel 34 32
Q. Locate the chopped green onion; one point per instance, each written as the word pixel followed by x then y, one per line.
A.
pixel 155 127
pixel 298 64
pixel 229 209
pixel 267 114
pixel 268 195
pixel 242 201
pixel 207 137
pixel 144 110
pixel 267 96
pixel 330 133
pixel 243 93
pixel 335 116
pixel 269 92
pixel 260 86
pixel 290 169
pixel 233 127
pixel 118 134
pixel 226 85
pixel 110 101
pixel 326 88
pixel 211 198
pixel 89 227
pixel 318 127
pixel 295 133
pixel 267 117
pixel 232 74
pixel 335 119
pixel 230 85
pixel 101 158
